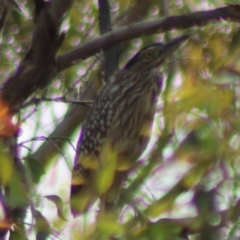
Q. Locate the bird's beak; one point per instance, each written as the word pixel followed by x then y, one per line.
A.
pixel 173 45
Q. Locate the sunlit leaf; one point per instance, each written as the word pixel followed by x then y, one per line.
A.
pixel 107 168
pixel 6 170
pixel 160 230
pixel 108 224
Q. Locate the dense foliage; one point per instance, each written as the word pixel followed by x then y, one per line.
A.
pixel 55 56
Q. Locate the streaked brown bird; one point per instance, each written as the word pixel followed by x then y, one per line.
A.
pixel 118 127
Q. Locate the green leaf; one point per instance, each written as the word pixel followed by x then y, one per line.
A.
pixel 43 228
pixel 36 169
pixel 59 204
pixel 18 196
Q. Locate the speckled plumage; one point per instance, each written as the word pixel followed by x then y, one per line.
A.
pixel 118 126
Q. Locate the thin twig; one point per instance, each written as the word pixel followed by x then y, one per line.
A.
pixel 35 101
pixel 42 138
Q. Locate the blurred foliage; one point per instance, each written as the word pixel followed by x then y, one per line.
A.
pixel 196 153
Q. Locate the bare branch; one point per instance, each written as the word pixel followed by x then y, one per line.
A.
pixel 38 66
pixel 110 55
pixel 35 101
pixel 73 119
pixel 229 13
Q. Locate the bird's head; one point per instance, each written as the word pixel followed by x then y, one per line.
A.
pixel 153 55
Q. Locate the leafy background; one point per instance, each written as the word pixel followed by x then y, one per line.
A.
pixel 187 184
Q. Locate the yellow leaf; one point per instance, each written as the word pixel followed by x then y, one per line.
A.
pixel 6 168
pixel 108 223
pixel 195 54
pixel 107 168
pixel 216 44
pixel 126 4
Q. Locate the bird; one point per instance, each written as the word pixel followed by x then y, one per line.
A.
pixel 118 127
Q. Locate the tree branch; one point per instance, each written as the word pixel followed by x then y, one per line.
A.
pixel 38 66
pixel 73 119
pixel 228 13
pixel 110 55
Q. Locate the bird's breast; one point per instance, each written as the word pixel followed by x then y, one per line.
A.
pixel 133 118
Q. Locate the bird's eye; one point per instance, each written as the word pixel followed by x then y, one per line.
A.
pixel 149 54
